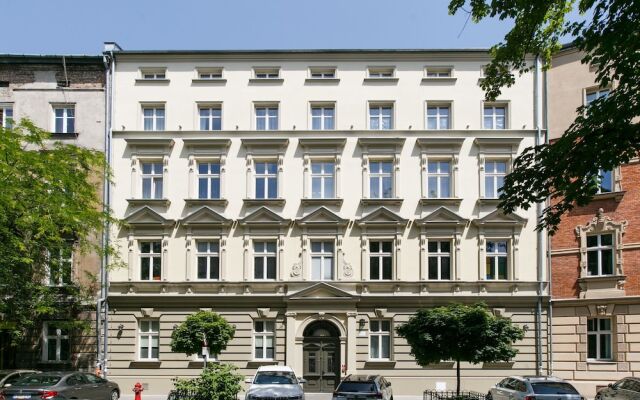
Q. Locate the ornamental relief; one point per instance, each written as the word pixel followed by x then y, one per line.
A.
pixel 601 223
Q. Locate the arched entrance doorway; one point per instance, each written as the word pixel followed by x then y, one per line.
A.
pixel 321 357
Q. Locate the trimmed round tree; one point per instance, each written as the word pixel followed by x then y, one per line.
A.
pixel 460 332
pixel 189 337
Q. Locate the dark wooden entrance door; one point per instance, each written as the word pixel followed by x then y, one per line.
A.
pixel 321 357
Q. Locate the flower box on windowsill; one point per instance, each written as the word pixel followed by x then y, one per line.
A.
pixel 264 202
pixel 617 196
pixel 454 201
pixel 322 202
pixel 149 202
pixel 381 202
pixel 206 202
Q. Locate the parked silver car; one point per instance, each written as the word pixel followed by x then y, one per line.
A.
pixel 9 376
pixel 274 382
pixel 625 389
pixel 533 388
pixel 61 386
pixel 363 387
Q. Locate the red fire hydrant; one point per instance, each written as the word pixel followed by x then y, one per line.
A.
pixel 137 389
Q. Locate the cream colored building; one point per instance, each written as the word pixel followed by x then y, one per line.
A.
pixel 337 192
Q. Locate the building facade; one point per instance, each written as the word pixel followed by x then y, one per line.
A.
pixel 316 200
pixel 595 254
pixel 65 96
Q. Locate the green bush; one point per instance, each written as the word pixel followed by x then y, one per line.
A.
pixel 216 382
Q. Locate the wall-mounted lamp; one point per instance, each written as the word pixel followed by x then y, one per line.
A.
pixel 120 330
pixel 525 328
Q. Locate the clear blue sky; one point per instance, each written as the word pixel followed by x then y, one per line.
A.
pixel 81 26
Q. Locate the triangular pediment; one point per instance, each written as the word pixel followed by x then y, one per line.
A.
pixel 321 216
pixel 499 218
pixel 205 216
pixel 382 216
pixel 147 217
pixel 442 216
pixel 263 217
pixel 321 290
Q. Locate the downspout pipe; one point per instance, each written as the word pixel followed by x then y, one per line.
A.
pixel 540 235
pixel 548 238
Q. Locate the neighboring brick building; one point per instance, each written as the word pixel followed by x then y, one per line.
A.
pixel 595 255
pixel 64 95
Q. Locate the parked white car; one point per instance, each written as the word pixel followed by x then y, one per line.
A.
pixel 275 382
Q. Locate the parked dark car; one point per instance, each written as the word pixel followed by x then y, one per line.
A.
pixel 626 388
pixel 10 376
pixel 61 386
pixel 363 387
pixel 533 387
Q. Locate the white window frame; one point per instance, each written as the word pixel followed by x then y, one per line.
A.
pixel 379 176
pixel 439 255
pixel 438 117
pixel 7 109
pixel 152 255
pixel 599 248
pixel 210 177
pixel 154 117
pixel 381 255
pixel 268 119
pixel 56 339
pixel 494 176
pixel 322 72
pixel 265 333
pixel 61 276
pixel 266 176
pixel 153 74
pixel 438 72
pixel 265 255
pixel 322 118
pixel 208 254
pixel 323 176
pixel 496 255
pixel 65 118
pixel 380 333
pixel 380 118
pixel 154 176
pixel 209 119
pixel 598 333
pixel 323 255
pixel 381 72
pixel 266 72
pixel 150 334
pixel 210 73
pixel 494 117
pixel 598 91
pixel 439 176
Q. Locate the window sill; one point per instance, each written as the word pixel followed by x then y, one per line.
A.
pixel 266 80
pixel 617 196
pixel 328 81
pixel 446 79
pixel 444 200
pixel 322 202
pixel 379 364
pixel 149 202
pixel 381 80
pixel 63 135
pixel 264 202
pixel 200 364
pixel 488 202
pixel 152 81
pixel 206 202
pixel 259 363
pixel 601 278
pixel 220 81
pixel 143 364
pixel 381 202
pixel 602 362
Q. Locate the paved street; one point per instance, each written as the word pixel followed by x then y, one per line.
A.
pixel 308 396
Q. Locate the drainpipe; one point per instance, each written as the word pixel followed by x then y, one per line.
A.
pixel 541 233
pixel 548 238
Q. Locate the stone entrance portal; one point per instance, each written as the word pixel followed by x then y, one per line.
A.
pixel 321 357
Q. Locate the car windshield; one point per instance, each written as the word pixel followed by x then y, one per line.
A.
pixel 367 387
pixel 553 388
pixel 38 380
pixel 3 374
pixel 275 378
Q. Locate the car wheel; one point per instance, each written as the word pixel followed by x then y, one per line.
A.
pixel 488 396
pixel 114 395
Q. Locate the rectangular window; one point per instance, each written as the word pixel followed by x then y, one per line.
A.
pixel 380 179
pixel 322 261
pixel 599 339
pixel 495 117
pixel 594 94
pixel 267 118
pixel 150 261
pixel 152 176
pixel 605 181
pixel 438 72
pixel 208 260
pixel 438 117
pixel 379 339
pixel 208 180
pixel 264 260
pixel 154 74
pixel 64 119
pixel 56 345
pixel 600 255
pixel 267 73
pixel 438 179
pixel 210 118
pixel 439 259
pixel 381 260
pixel 153 118
pixel 210 73
pixel 6 117
pixel 494 173
pixel 380 117
pixel 381 72
pixel 322 117
pixel 149 339
pixel 266 180
pixel 322 179
pixel 322 73
pixel 264 340
pixel 497 260
pixel 60 266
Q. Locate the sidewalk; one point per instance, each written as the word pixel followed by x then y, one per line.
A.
pixel 308 396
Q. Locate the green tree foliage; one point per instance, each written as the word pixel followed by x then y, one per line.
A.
pixel 460 332
pixel 216 382
pixel 49 206
pixel 606 133
pixel 189 336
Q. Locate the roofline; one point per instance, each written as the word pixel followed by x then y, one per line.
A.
pixel 50 59
pixel 298 51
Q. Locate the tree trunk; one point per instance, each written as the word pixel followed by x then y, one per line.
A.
pixel 457 378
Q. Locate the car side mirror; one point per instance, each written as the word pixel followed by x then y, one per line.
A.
pixel 248 380
pixel 302 380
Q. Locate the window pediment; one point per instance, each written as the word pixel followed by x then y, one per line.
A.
pixel 266 146
pixel 382 217
pixel 601 223
pixel 381 145
pixel 264 217
pixel 205 216
pixel 146 217
pixel 498 218
pixel 321 217
pixel 321 290
pixel 442 217
pixel 440 145
pixel 207 146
